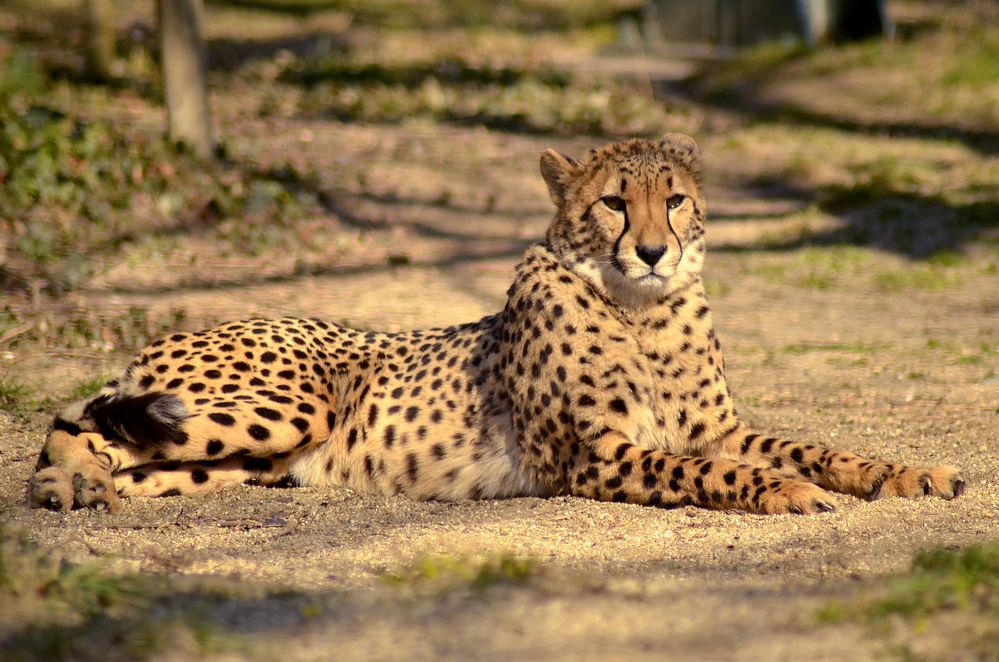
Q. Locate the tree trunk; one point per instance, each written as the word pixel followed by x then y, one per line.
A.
pixel 182 53
pixel 98 22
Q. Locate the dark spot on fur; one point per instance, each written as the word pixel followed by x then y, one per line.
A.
pixel 268 413
pixel 222 419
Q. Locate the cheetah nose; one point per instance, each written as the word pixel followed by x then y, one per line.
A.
pixel 650 254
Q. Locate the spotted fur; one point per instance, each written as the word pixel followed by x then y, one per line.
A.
pixel 602 377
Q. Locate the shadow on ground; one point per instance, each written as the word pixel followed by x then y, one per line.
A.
pixel 909 223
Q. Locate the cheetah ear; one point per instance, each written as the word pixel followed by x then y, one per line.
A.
pixel 683 148
pixel 557 171
pixel 681 144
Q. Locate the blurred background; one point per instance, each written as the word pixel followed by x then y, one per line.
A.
pixel 319 111
pixel 374 162
pixel 152 148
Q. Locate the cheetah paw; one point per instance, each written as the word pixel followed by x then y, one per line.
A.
pixel 51 488
pixel 96 491
pixel 941 481
pixel 796 497
pixel 92 487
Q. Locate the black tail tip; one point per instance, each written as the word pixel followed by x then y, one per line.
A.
pixel 150 419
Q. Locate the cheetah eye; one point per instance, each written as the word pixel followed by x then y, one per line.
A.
pixel 613 202
pixel 675 201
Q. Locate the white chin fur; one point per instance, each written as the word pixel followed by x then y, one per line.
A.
pixel 630 292
pixel 640 291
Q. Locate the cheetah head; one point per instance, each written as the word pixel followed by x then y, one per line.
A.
pixel 630 216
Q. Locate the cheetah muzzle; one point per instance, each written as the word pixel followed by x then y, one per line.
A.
pixel 602 377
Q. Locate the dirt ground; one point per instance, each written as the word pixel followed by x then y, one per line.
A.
pixel 847 366
pixel 828 338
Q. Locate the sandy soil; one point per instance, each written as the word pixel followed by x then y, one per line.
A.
pixel 834 365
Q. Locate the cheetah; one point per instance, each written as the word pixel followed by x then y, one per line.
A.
pixel 602 378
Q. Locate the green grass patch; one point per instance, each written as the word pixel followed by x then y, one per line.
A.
pixel 88 387
pixel 977 67
pixel 774 272
pixel 816 281
pixel 447 70
pixel 40 581
pixel 15 395
pixel 756 64
pixel 938 581
pixel 105 331
pixel 977 356
pixel 716 288
pixel 918 277
pixel 924 202
pixel 830 266
pixel 945 607
pixel 836 258
pixel 842 362
pixel 58 610
pixel 955 58
pixel 531 98
pixel 850 348
pixel 962 354
pixel 477 573
pixel 518 14
pixel 945 258
pixel 73 186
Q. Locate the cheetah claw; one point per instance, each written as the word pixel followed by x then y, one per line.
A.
pixel 942 481
pixel 94 493
pixel 51 488
pixel 54 489
pixel 816 506
pixel 823 507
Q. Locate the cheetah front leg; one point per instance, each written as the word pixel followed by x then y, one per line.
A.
pixel 173 478
pixel 611 468
pixel 842 471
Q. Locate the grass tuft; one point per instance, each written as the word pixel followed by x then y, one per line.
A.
pixel 851 348
pixel 72 185
pixel 57 610
pixel 477 573
pixel 88 387
pixel 524 98
pixel 15 395
pixel 41 581
pixel 957 586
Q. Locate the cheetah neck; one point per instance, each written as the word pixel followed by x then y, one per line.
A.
pixel 676 321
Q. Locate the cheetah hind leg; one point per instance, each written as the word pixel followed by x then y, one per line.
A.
pixel 69 474
pixel 77 464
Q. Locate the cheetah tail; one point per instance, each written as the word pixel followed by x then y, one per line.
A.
pixel 150 419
